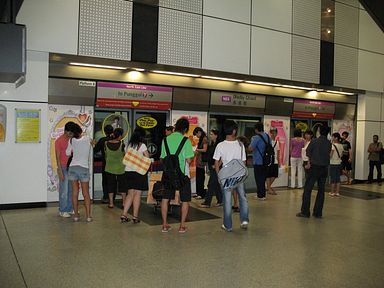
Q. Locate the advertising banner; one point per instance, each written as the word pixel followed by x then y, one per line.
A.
pixel 196 119
pixel 282 125
pixel 58 116
pixel 123 95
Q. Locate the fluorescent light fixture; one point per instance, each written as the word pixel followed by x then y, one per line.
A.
pixel 175 73
pixel 312 93
pixel 221 78
pixel 262 83
pixel 296 87
pixel 339 92
pixel 138 69
pixel 97 66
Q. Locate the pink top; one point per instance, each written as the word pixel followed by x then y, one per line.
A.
pixel 296 146
pixel 61 145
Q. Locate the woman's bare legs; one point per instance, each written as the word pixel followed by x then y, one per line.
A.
pixel 75 198
pixel 136 203
pixel 87 198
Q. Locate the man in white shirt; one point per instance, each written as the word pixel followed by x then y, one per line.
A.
pixel 226 151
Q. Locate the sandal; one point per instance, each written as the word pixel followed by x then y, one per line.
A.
pixel 136 220
pixel 124 219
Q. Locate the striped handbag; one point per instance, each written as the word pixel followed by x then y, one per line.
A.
pixel 136 161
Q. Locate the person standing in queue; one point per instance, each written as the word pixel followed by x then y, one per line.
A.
pixel 80 147
pixel 201 161
pixel 100 147
pixel 374 150
pixel 136 183
pixel 114 167
pixel 335 164
pixel 308 135
pixel 185 157
pixel 273 169
pixel 258 146
pixel 318 152
pixel 65 187
pixel 346 158
pixel 296 146
pixel 213 183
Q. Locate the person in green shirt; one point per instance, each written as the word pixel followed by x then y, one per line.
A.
pixel 186 156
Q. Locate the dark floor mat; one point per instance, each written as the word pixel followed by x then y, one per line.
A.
pixel 359 194
pixel 151 216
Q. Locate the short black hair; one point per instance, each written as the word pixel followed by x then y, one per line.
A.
pixel 309 132
pixel 345 133
pixel 169 128
pixel 197 130
pixel 337 136
pixel 324 130
pixel 76 129
pixel 118 132
pixel 182 125
pixel 108 129
pixel 297 133
pixel 229 126
pixel 259 126
pixel 377 136
pixel 69 126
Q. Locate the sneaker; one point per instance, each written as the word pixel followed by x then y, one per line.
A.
pixel 64 214
pixel 76 219
pixel 244 225
pixel 218 205
pixel 166 228
pixel 89 219
pixel 261 198
pixel 332 194
pixel 226 229
pixel 182 229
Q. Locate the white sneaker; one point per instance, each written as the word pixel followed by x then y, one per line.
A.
pixel 244 225
pixel 89 219
pixel 64 214
pixel 226 229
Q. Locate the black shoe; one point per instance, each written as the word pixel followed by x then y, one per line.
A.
pixel 300 214
pixel 317 216
pixel 105 201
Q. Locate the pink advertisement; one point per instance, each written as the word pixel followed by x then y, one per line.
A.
pixel 196 119
pixel 282 125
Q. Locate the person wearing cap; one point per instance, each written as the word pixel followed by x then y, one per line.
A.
pixel 273 169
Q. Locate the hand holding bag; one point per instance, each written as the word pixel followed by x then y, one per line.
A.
pixel 136 161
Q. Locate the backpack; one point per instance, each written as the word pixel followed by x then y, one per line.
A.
pixel 268 155
pixel 173 178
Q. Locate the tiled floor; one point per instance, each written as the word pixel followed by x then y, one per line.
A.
pixel 344 249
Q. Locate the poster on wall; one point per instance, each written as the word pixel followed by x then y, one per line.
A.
pixel 196 119
pixel 282 124
pixel 3 122
pixel 27 125
pixel 58 116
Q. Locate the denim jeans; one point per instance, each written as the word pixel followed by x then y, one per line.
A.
pixel 243 203
pixel 65 193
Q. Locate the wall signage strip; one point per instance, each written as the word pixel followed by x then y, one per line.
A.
pixel 313 109
pixel 237 99
pixel 123 95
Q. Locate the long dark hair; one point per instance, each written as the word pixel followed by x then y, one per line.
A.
pixel 137 137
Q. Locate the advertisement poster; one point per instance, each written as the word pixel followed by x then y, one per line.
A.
pixel 27 125
pixel 3 122
pixel 196 119
pixel 58 116
pixel 282 125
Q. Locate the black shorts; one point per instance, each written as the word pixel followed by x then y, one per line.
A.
pixel 185 192
pixel 334 173
pixel 273 171
pixel 345 165
pixel 116 183
pixel 136 181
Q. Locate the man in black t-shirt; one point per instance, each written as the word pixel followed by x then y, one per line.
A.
pixel 346 158
pixel 99 147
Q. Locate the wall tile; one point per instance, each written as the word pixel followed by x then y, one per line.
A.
pixel 281 11
pixel 239 10
pixel 180 35
pixel 194 6
pixel 305 59
pixel 346 66
pixel 226 46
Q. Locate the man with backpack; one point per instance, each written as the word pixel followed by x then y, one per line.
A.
pixel 176 154
pixel 263 157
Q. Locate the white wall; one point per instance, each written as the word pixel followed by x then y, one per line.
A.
pixel 23 166
pixel 52 25
pixel 370 121
pixel 281 11
pixel 238 10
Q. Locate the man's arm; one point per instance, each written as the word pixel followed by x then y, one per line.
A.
pixel 217 165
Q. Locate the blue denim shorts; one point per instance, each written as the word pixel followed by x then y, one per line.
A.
pixel 78 173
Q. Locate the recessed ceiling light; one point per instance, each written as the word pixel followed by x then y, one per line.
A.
pixel 262 83
pixel 297 87
pixel 138 69
pixel 222 78
pixel 175 73
pixel 329 10
pixel 97 66
pixel 339 92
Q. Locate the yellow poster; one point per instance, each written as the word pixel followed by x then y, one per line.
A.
pixel 27 126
